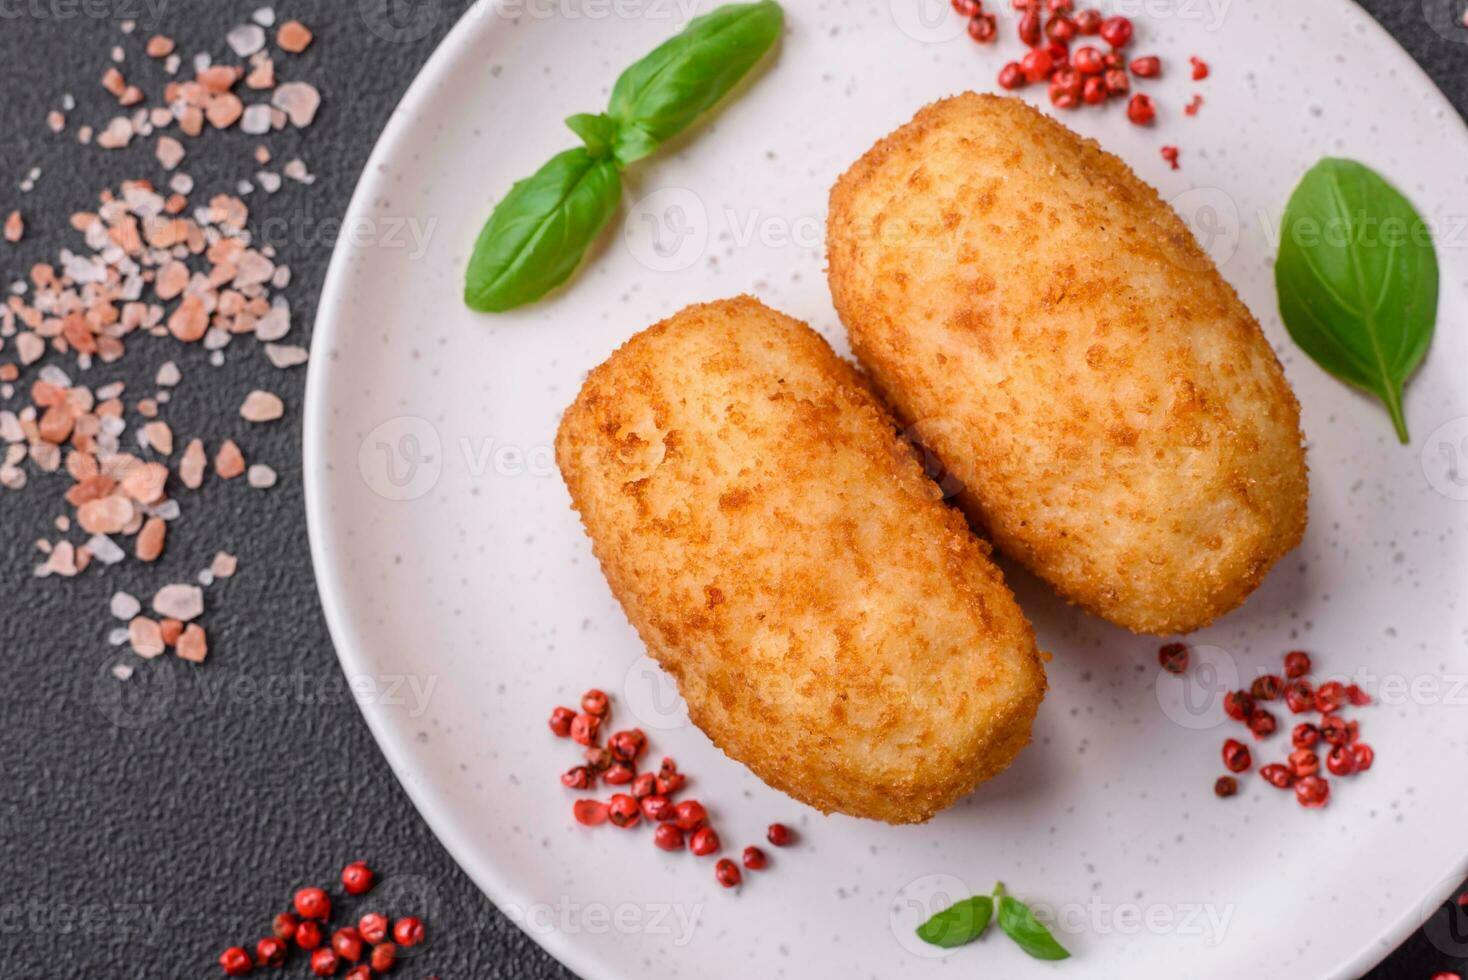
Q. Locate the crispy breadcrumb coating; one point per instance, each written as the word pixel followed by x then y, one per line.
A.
pixel 830 622
pixel 1118 421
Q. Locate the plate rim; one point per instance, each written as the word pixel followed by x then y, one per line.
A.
pixel 392 742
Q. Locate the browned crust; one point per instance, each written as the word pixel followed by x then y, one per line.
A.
pixel 830 622
pixel 1119 422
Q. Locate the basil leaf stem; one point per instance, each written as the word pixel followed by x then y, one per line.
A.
pixel 1357 278
pixel 1020 924
pixel 959 924
pixel 537 235
pixel 598 132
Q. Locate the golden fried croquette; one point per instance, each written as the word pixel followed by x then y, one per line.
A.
pixel 1060 341
pixel 831 624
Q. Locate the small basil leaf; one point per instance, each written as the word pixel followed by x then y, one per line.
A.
pixel 1020 924
pixel 960 923
pixel 598 132
pixel 633 143
pixel 1357 279
pixel 537 235
pixel 688 74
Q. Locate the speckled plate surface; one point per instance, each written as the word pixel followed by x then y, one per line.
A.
pixel 462 593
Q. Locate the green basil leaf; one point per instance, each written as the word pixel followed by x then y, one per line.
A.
pixel 598 132
pixel 1020 924
pixel 688 74
pixel 1357 279
pixel 959 924
pixel 537 235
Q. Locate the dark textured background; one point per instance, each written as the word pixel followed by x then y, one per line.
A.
pixel 143 848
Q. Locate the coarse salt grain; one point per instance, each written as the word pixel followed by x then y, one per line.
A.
pixel 124 606
pixel 285 356
pixel 293 37
pixel 256 120
pixel 122 672
pixel 145 636
pixel 193 645
pixel 170 152
pixel 261 477
pixel 180 602
pixel 299 101
pixel 261 406
pixel 246 39
pixel 105 550
pixel 223 565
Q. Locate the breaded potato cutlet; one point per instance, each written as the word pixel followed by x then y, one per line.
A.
pixel 1057 337
pixel 830 622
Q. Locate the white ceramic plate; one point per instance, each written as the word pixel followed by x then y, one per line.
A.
pixel 461 591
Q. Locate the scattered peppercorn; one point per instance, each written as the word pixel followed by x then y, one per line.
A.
pixel 384 957
pixel 1267 687
pixel 1117 31
pixel 284 926
pixel 1226 786
pixel 1173 658
pixel 408 932
pixel 270 952
pixel 560 721
pixel 1262 723
pixel 668 837
pixel 357 878
pixel 1141 110
pixel 313 903
pixel 1147 66
pixel 310 935
pixel 235 961
pixel 324 962
pixel 1305 735
pixel 595 702
pixel 584 729
pixel 1236 756
pixel 727 873
pixel 372 927
pixel 623 811
pixel 704 841
pixel 690 815
pixel 347 944
pixel 1312 792
pixel 1277 775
